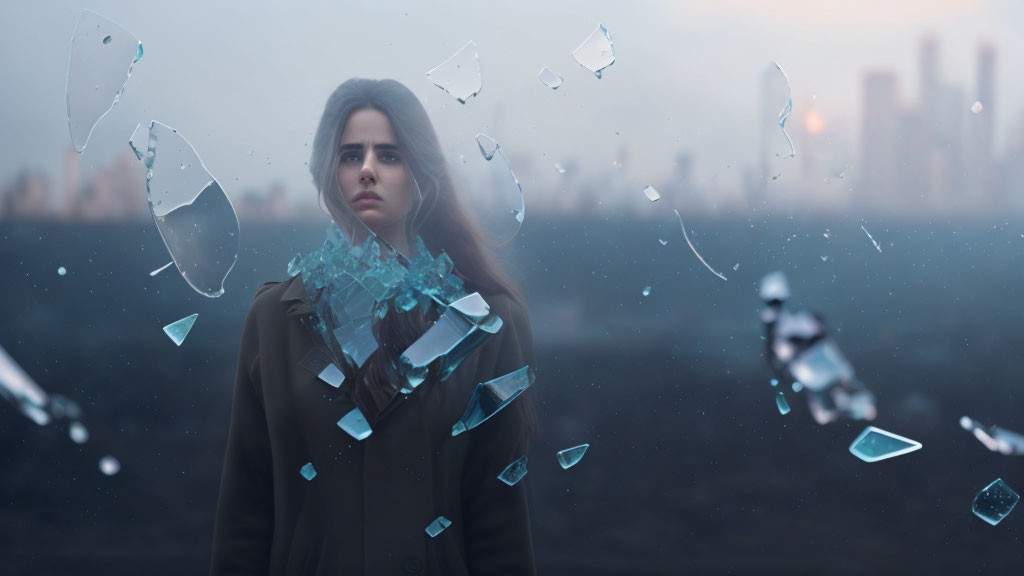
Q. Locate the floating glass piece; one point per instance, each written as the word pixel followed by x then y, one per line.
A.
pixel 438 526
pixel 178 330
pixel 459 75
pixel 995 438
pixel 193 214
pixel 162 268
pixel 780 401
pixel 550 79
pixel 647 291
pixel 699 257
pixel 995 502
pixel 488 146
pixel 662 242
pixel 514 472
pixel 357 340
pixel 820 366
pixel 109 465
pixel 874 444
pixel 652 194
pixel 491 396
pixel 494 193
pixel 596 52
pixel 779 105
pixel 559 168
pixel 774 382
pixel 473 307
pixel 736 266
pixel 78 433
pixel 332 375
pixel 571 456
pixel 319 364
pixel 797 386
pixel 452 338
pixel 872 238
pixel 355 424
pixel 976 108
pixel 62 271
pixel 774 287
pixel 102 54
pixel 308 471
pixel 19 389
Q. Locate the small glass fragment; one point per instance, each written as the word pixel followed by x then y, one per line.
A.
pixel 780 401
pixel 19 388
pixel 559 168
pixel 438 526
pixel 596 52
pixel 161 269
pixel 355 424
pixel 651 194
pixel 874 444
pixel 821 366
pixel 797 386
pixel 872 238
pixel 699 257
pixel 332 375
pixel 647 291
pixel 571 456
pixel 736 266
pixel 549 78
pixel 459 75
pixel 774 382
pixel 78 433
pixel 778 84
pixel 178 330
pixel 663 242
pixel 995 502
pixel 491 397
pixel 308 471
pixel 62 271
pixel 514 472
pixel 102 54
pixel 488 146
pixel 109 465
pixel 976 108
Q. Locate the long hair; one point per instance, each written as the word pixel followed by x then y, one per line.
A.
pixel 438 217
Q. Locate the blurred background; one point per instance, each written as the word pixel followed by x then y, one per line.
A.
pixel 907 121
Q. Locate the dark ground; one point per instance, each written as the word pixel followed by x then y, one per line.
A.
pixel 691 468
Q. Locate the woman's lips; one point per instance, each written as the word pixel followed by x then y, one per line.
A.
pixel 366 201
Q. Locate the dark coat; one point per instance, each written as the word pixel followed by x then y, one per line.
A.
pixel 366 510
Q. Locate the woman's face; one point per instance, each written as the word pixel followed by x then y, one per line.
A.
pixel 372 176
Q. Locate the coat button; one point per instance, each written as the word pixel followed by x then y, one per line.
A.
pixel 412 565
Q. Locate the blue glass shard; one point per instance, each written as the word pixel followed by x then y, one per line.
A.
pixel 774 287
pixel 663 242
pixel 488 146
pixel 514 472
pixel 357 340
pixel 332 375
pixel 78 433
pixel 308 471
pixel 596 52
pixel 472 306
pixel 995 502
pixel 549 78
pixel 438 526
pixel 571 456
pixel 780 401
pixel 774 382
pixel 821 366
pixel 646 291
pixel 491 396
pixel 178 330
pixel 797 386
pixel 355 424
pixel 874 444
pixel 62 271
pixel 459 75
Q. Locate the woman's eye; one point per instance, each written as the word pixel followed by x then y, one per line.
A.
pixel 390 157
pixel 350 157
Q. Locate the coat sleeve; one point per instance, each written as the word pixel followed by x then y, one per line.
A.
pixel 496 516
pixel 245 510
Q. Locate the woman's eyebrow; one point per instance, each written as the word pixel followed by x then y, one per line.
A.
pixel 357 146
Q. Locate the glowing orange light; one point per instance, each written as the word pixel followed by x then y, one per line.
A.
pixel 813 122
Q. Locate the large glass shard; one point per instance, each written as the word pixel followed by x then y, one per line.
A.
pixel 995 502
pixel 473 307
pixel 109 465
pixel 192 212
pixel 460 74
pixel 355 424
pixel 357 340
pixel 820 366
pixel 19 389
pixel 308 471
pixel 778 105
pixel 490 397
pixel 438 526
pixel 874 444
pixel 178 330
pixel 514 472
pixel 549 78
pixel 102 55
pixel 596 52
pixel 692 247
pixel 571 456
pixel 995 438
pixel 780 402
pixel 490 188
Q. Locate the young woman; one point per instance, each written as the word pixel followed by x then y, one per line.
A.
pixel 379 168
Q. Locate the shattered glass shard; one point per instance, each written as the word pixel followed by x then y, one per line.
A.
pixel 19 388
pixel 355 424
pixel 109 465
pixel 332 375
pixel 178 330
pixel 662 242
pixel 774 382
pixel 473 307
pixel 549 78
pixel 492 396
pixel 195 218
pixel 995 438
pixel 694 249
pixel 872 238
pixel 774 287
pixel 62 271
pixel 874 444
pixel 647 291
pixel 102 54
pixel 488 146
pixel 780 402
pixel 797 386
pixel 438 526
pixel 596 52
pixel 822 365
pixel 161 269
pixel 459 75
pixel 779 100
pixel 514 472
pixel 559 168
pixel 496 198
pixel 308 471
pixel 995 502
pixel 78 433
pixel 357 340
pixel 571 456
pixel 651 194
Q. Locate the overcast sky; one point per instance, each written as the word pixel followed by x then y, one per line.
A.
pixel 246 81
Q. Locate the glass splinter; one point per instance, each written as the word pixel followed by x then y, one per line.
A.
pixel 780 401
pixel 549 78
pixel 178 330
pixel 109 465
pixel 875 444
pixel 20 389
pixel 571 456
pixel 491 396
pixel 355 424
pixel 652 194
pixel 647 291
pixel 872 238
pixel 438 526
pixel 78 433
pixel 161 269
pixel 596 52
pixel 559 168
pixel 995 502
pixel 662 242
pixel 787 109
pixel 102 54
pixel 308 471
pixel 460 74
pixel 514 472
pixel 699 257
pixel 488 146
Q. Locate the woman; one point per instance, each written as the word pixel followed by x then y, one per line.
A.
pixel 378 166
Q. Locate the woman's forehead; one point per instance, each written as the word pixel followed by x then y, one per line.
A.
pixel 368 125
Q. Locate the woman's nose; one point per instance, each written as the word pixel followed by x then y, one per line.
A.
pixel 368 173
